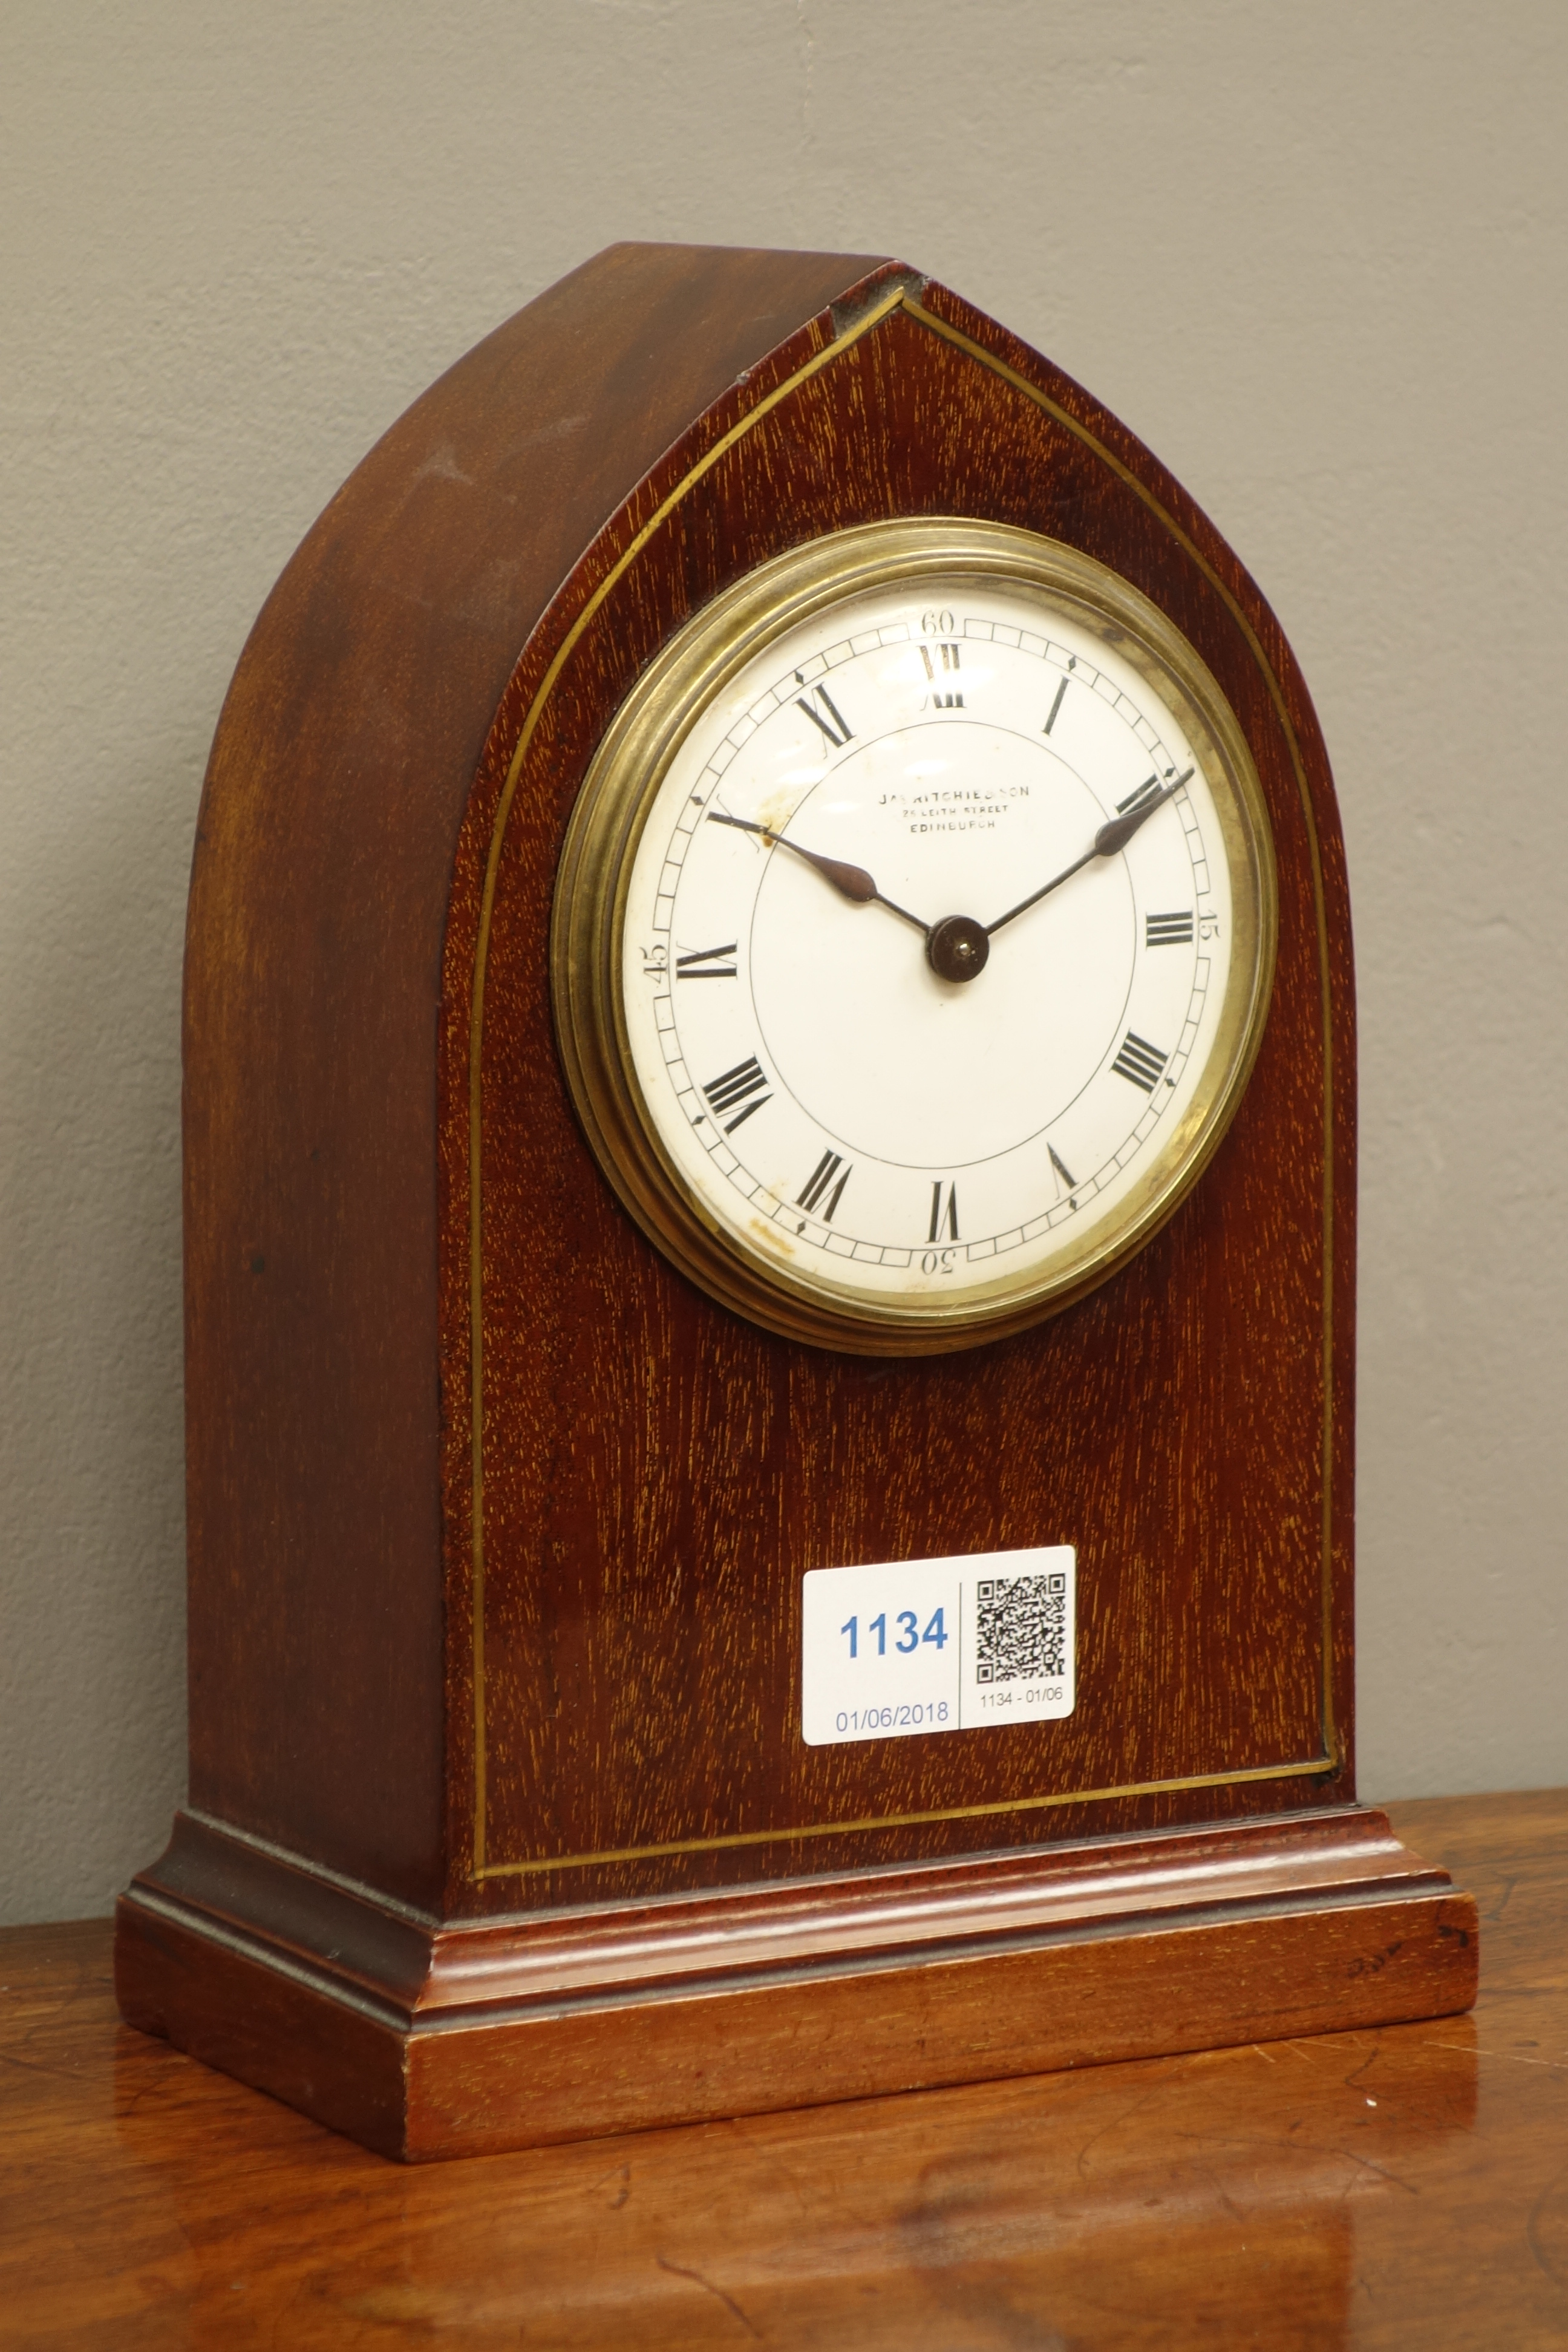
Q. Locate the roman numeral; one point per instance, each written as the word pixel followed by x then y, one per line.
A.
pixel 1136 800
pixel 1140 1061
pixel 1168 931
pixel 815 702
pixel 949 662
pixel 818 1182
pixel 1057 705
pixel 944 1211
pixel 1066 1180
pixel 746 1079
pixel 704 963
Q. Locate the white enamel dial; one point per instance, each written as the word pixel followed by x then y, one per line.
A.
pixel 927 946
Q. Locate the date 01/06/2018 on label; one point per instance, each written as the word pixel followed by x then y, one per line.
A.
pixel 923 1646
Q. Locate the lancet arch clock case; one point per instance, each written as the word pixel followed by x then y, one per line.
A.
pixel 769 1210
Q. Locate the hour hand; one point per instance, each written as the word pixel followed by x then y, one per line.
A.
pixel 851 882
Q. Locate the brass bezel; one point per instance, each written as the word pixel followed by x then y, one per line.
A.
pixel 606 826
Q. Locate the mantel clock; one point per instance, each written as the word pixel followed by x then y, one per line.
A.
pixel 769 1201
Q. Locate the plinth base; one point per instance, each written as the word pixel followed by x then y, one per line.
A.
pixel 422 2039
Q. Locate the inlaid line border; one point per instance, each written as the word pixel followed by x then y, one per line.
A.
pixel 1328 1761
pixel 1315 1769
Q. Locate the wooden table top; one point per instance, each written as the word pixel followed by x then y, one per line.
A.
pixel 1406 2187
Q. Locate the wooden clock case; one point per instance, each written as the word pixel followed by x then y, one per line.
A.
pixel 500 1826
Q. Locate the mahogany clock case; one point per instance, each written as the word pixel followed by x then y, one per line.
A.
pixel 501 1825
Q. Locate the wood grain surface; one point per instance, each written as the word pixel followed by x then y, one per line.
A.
pixel 1406 2187
pixel 497 1527
pixel 428 2041
pixel 653 1474
pixel 379 833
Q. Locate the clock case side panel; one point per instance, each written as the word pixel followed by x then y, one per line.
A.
pixel 548 1328
pixel 341 766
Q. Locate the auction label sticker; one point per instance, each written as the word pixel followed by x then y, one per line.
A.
pixel 922 1645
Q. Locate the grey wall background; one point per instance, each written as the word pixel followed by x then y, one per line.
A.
pixel 1315 255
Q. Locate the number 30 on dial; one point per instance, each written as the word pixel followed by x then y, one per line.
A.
pixel 913 935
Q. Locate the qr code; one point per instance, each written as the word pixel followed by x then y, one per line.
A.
pixel 1022 1627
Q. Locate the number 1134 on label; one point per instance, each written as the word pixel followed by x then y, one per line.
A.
pixel 928 1645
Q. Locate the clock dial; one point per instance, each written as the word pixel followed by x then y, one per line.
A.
pixel 938 939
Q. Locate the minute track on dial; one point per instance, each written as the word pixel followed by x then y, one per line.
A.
pixel 826 1047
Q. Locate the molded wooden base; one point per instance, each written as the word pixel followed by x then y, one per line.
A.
pixel 422 2039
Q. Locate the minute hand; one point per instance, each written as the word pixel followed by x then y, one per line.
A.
pixel 1108 842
